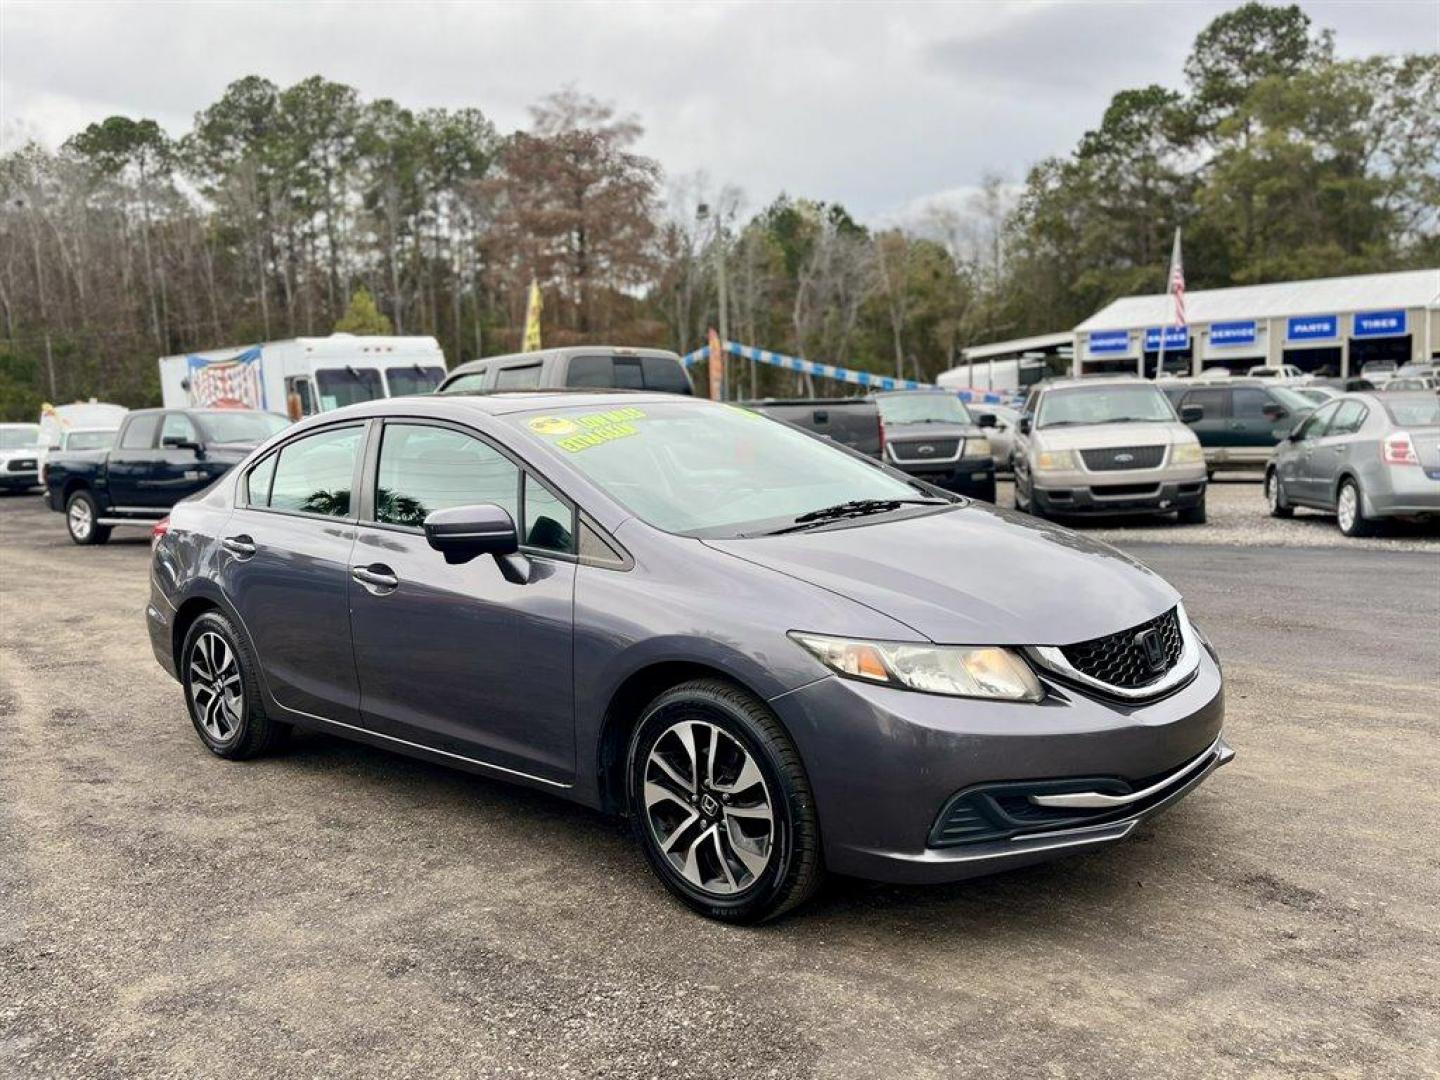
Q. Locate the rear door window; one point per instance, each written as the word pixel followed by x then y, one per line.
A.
pixel 1348 419
pixel 1315 423
pixel 526 377
pixel 314 474
pixel 425 468
pixel 1213 401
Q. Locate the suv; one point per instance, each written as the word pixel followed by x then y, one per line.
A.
pixel 1112 446
pixel 1240 421
pixel 597 367
pixel 931 435
pixel 19 456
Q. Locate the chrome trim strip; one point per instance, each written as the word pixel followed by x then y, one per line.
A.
pixel 896 459
pixel 430 749
pixel 1099 800
pixel 1053 659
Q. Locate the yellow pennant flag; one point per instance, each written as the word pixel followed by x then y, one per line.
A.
pixel 532 318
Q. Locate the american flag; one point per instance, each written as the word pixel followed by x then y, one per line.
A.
pixel 1176 284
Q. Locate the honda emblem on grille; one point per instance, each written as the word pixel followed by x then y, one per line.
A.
pixel 1150 643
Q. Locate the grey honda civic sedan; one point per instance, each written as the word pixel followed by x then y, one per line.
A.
pixel 775 656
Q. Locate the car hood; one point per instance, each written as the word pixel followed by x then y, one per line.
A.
pixel 930 431
pixel 971 575
pixel 1100 436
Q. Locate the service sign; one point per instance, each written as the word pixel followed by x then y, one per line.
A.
pixel 1226 334
pixel 1108 342
pixel 1312 328
pixel 1176 337
pixel 1380 323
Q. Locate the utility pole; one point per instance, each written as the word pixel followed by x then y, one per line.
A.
pixel 702 214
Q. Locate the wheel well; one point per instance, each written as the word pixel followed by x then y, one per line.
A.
pixel 623 713
pixel 74 485
pixel 188 612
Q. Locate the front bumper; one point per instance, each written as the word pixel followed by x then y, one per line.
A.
pixel 1119 497
pixel 885 764
pixel 973 477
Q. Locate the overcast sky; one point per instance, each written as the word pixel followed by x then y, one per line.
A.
pixel 881 106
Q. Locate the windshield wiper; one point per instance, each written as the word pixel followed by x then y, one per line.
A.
pixel 855 508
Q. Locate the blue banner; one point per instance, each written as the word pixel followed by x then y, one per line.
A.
pixel 1176 337
pixel 1312 328
pixel 1232 333
pixel 809 367
pixel 1380 323
pixel 1103 342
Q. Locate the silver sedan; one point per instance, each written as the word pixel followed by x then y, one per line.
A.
pixel 1365 457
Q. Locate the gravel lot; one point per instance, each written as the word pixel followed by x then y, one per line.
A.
pixel 341 911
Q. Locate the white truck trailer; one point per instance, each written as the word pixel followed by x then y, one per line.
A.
pixel 302 376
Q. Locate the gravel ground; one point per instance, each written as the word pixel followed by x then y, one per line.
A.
pixel 1238 515
pixel 340 911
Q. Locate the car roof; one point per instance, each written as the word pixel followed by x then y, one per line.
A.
pixel 1091 380
pixel 541 355
pixel 501 402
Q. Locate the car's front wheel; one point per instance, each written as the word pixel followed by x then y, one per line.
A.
pixel 721 804
pixel 1350 511
pixel 1275 496
pixel 218 671
pixel 82 519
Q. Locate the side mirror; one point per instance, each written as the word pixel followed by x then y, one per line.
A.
pixel 179 442
pixel 1190 414
pixel 1274 412
pixel 462 533
pixel 986 419
pixel 1024 425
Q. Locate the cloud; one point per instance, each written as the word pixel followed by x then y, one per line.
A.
pixel 877 106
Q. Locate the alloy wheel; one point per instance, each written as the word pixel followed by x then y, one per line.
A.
pixel 81 520
pixel 1348 507
pixel 215 686
pixel 1272 490
pixel 708 808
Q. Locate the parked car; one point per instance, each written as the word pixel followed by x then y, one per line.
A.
pixel 1366 457
pixel 1002 435
pixel 57 420
pixel 580 366
pixel 1106 446
pixel 1284 371
pixel 1379 369
pixel 723 627
pixel 158 457
pixel 1239 422
pixel 1346 385
pixel 1319 395
pixel 77 441
pixel 1411 382
pixel 19 456
pixel 853 421
pixel 931 434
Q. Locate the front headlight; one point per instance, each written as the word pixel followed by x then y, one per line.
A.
pixel 1054 460
pixel 977 447
pixel 1189 453
pixel 957 670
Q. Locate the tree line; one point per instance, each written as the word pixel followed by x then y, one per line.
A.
pixel 289 211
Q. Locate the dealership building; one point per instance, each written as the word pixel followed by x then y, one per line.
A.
pixel 1329 326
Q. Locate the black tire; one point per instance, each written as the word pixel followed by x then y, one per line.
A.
pixel 246 731
pixel 1028 505
pixel 1192 515
pixel 1275 496
pixel 794 868
pixel 1357 525
pixel 81 516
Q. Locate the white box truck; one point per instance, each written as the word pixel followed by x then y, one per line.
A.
pixel 303 376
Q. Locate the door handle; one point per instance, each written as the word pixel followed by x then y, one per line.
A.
pixel 377 578
pixel 242 547
pixel 1341 449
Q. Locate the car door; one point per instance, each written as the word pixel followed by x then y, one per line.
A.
pixel 128 464
pixel 286 569
pixel 1330 451
pixel 457 657
pixel 178 467
pixel 1295 459
pixel 1254 431
pixel 1212 427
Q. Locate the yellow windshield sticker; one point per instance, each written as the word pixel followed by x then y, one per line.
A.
pixel 553 425
pixel 596 429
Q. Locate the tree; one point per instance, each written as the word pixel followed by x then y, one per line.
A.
pixel 362 316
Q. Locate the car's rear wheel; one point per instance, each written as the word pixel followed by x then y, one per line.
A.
pixel 1275 496
pixel 217 669
pixel 1350 511
pixel 82 519
pixel 721 805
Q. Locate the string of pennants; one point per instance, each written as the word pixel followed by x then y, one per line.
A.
pixel 830 371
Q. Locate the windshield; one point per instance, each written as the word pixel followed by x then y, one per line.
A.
pixel 1104 405
pixel 702 469
pixel 922 408
pixel 89 440
pixel 347 386
pixel 413 379
pixel 1415 412
pixel 240 426
pixel 16 438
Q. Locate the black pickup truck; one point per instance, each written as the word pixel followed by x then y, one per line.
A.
pixel 159 457
pixel 927 433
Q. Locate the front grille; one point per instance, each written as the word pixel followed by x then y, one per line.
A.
pixel 1121 660
pixel 922 451
pixel 22 465
pixel 1115 458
